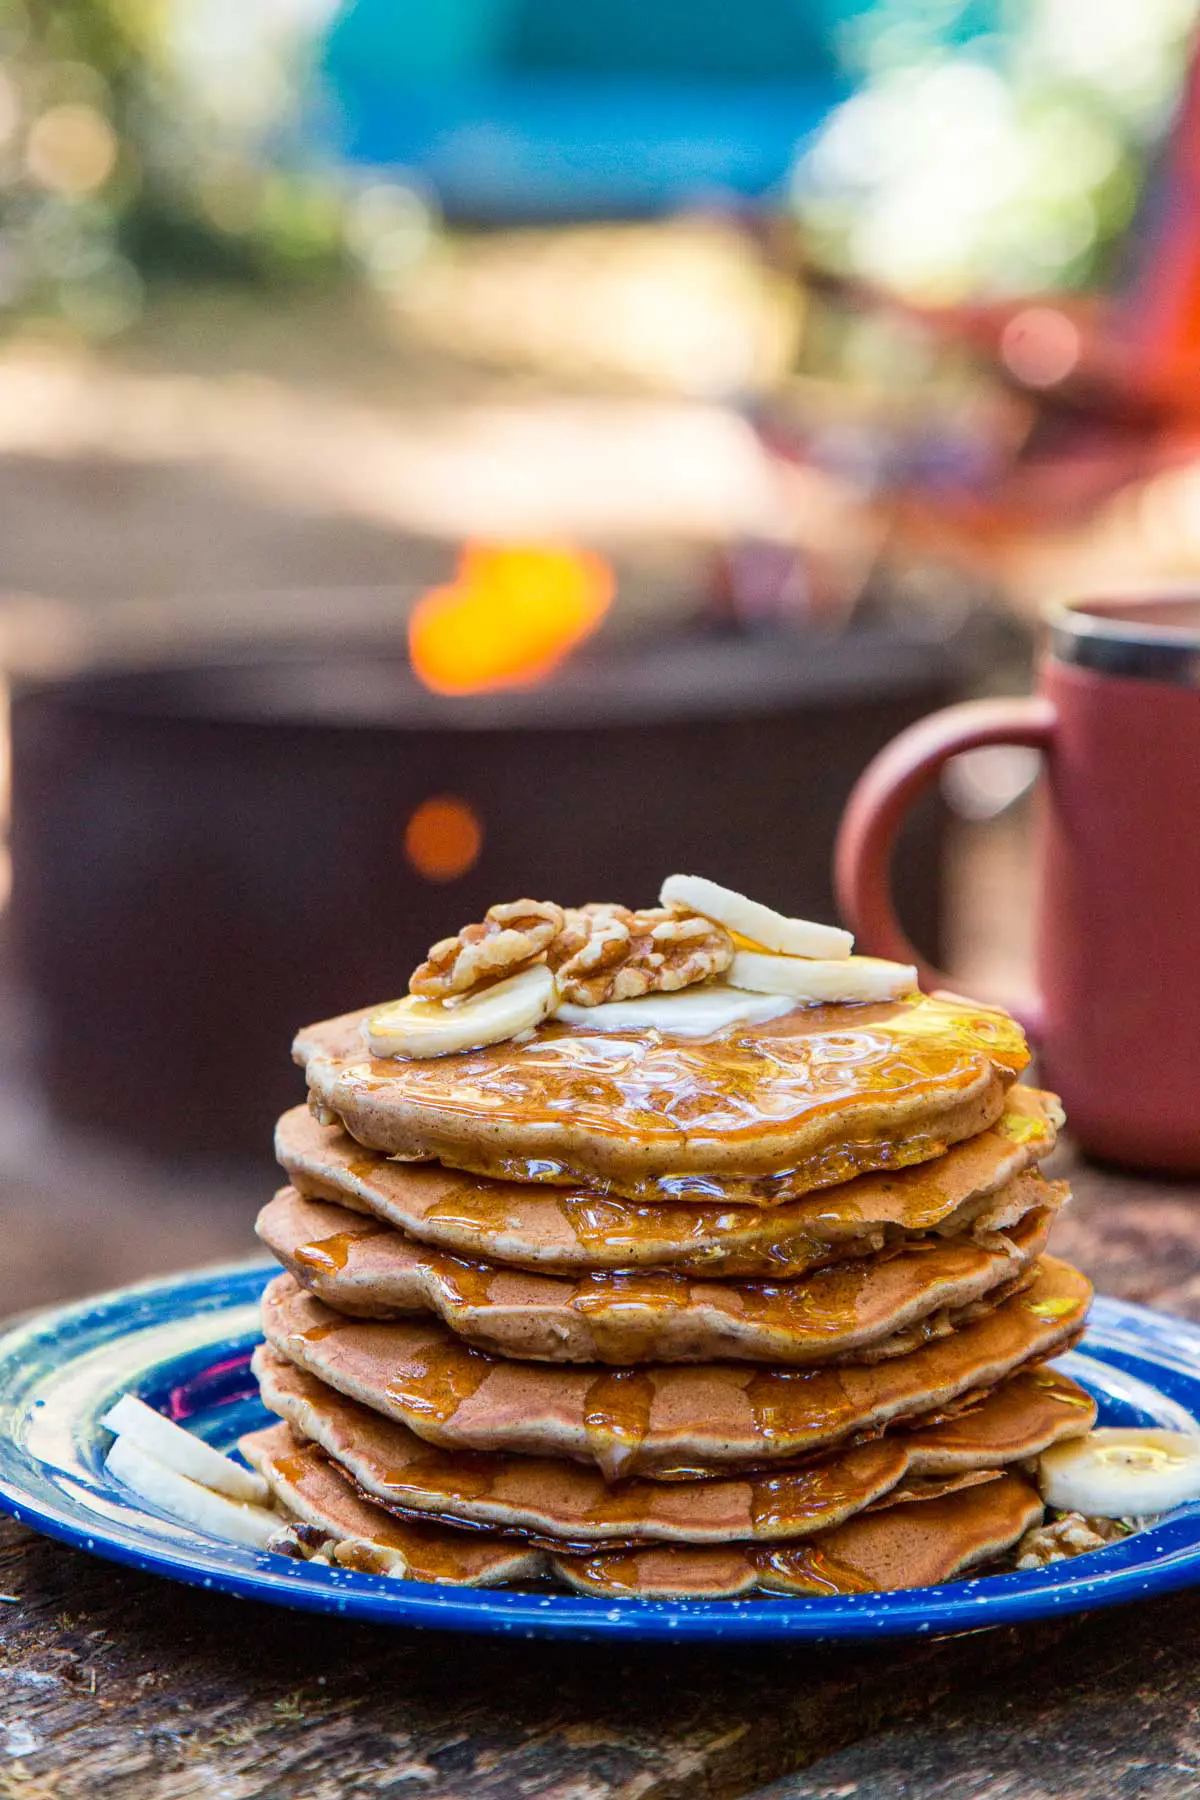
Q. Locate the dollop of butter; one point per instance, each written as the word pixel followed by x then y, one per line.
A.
pixel 690 1012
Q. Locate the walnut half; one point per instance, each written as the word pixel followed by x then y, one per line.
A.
pixel 610 953
pixel 512 935
pixel 1070 1535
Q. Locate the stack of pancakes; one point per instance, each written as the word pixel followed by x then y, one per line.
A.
pixel 768 1310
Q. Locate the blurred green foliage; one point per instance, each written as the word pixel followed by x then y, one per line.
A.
pixel 112 177
pixel 993 145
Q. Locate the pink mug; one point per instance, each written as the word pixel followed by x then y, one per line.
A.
pixel 1116 1015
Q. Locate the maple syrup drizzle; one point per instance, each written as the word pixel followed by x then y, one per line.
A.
pixel 329 1256
pixel 476 1206
pixel 624 1313
pixel 294 1465
pixel 733 1085
pixel 429 1555
pixel 946 1529
pixel 781 1504
pixel 811 1569
pixel 430 1552
pixel 867 1478
pixel 616 1417
pixel 716 1568
pixel 627 1313
pixel 792 1406
pixel 465 1285
pixel 466 1476
pixel 1017 1420
pixel 610 1225
pixel 436 1384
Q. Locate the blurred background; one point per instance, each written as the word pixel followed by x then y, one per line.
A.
pixel 481 446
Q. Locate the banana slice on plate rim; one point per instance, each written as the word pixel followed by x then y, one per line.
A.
pixel 1122 1472
pixel 201 1507
pixel 184 1452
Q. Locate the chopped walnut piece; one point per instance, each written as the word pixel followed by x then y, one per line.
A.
pixel 513 935
pixel 610 953
pixel 1070 1535
pixel 301 1541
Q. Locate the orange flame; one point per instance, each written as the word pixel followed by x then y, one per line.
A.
pixel 510 616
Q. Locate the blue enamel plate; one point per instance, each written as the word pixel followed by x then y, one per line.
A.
pixel 183 1345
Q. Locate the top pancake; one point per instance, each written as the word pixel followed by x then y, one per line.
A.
pixel 760 1113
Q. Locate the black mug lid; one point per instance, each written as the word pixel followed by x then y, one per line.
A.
pixel 1153 636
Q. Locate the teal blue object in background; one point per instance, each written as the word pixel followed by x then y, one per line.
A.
pixel 515 108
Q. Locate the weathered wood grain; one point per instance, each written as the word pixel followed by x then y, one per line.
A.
pixel 114 1684
pixel 1115 1711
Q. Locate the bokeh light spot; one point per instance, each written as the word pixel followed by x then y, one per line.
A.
pixel 1040 345
pixel 443 838
pixel 72 149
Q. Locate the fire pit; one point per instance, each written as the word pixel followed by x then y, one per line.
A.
pixel 207 856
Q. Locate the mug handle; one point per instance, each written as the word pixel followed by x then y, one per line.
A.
pixel 883 794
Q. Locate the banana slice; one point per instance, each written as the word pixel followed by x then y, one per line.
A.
pixel 1119 1474
pixel 749 919
pixel 212 1513
pixel 178 1449
pixel 850 979
pixel 421 1028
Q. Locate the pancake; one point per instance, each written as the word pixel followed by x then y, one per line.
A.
pixel 561 1503
pixel 907 1545
pixel 311 1489
pixel 760 1113
pixel 669 1420
pixel 565 1231
pixel 860 1310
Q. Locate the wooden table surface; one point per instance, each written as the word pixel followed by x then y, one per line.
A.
pixel 116 1684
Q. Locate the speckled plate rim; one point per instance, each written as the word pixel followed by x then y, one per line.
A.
pixel 183 1343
